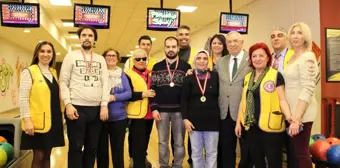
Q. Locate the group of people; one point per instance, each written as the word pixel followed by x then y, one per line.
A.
pixel 264 99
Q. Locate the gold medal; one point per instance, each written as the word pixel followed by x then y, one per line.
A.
pixel 203 99
pixel 172 84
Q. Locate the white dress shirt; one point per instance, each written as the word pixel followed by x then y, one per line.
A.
pixel 231 63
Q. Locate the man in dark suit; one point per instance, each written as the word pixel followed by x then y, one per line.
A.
pixel 232 69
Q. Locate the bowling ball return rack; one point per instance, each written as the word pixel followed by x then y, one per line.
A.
pixel 323 164
pixel 10 127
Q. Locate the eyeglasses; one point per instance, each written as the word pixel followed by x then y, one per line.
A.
pixel 111 56
pixel 139 59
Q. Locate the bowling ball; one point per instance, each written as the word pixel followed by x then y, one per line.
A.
pixel 333 154
pixel 311 141
pixel 3 139
pixel 318 137
pixel 333 141
pixel 8 148
pixel 319 150
pixel 3 158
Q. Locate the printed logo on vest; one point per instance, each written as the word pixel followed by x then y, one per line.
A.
pixel 269 86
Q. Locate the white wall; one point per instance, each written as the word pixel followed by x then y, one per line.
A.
pixel 264 15
pixel 12 60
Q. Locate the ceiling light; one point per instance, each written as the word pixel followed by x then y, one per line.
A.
pixel 58 53
pixel 137 46
pixel 27 30
pixel 153 39
pixel 131 52
pixel 76 45
pixel 74 36
pixel 186 8
pixel 61 2
pixel 41 41
pixel 129 55
pixel 68 24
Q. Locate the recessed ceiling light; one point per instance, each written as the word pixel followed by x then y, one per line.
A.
pixel 61 2
pixel 129 55
pixel 68 24
pixel 153 39
pixel 131 52
pixel 137 46
pixel 27 30
pixel 73 36
pixel 58 53
pixel 76 45
pixel 186 8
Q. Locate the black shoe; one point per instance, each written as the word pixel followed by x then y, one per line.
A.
pixel 148 164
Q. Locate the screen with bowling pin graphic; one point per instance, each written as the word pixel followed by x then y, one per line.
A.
pixel 97 16
pixel 234 22
pixel 163 19
pixel 20 14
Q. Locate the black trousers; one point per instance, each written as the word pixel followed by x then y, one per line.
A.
pixel 189 148
pixel 116 131
pixel 292 161
pixel 149 126
pixel 226 157
pixel 137 133
pixel 263 144
pixel 83 134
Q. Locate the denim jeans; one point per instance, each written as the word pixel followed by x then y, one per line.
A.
pixel 207 140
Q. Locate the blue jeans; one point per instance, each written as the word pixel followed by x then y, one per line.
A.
pixel 207 140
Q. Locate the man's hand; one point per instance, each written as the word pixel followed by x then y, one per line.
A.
pixel 104 113
pixel 71 112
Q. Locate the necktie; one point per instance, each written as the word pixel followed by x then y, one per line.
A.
pixel 276 61
pixel 234 68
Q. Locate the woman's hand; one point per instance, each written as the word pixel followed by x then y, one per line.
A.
pixel 112 98
pixel 29 128
pixel 189 72
pixel 238 130
pixel 188 126
pixel 148 93
pixel 294 128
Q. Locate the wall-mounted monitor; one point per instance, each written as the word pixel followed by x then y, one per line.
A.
pixel 163 19
pixel 20 14
pixel 234 22
pixel 97 16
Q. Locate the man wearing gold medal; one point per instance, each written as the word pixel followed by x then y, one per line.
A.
pixel 167 80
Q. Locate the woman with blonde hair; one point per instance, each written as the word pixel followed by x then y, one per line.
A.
pixel 300 77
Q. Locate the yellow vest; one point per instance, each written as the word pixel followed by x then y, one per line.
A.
pixel 193 53
pixel 40 101
pixel 271 118
pixel 137 109
pixel 151 63
pixel 288 55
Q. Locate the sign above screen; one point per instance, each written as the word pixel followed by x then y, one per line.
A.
pixel 92 15
pixel 234 22
pixel 163 19
pixel 20 14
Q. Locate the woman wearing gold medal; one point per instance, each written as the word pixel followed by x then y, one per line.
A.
pixel 200 111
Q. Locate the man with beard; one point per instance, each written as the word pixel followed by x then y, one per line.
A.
pixel 167 80
pixel 85 92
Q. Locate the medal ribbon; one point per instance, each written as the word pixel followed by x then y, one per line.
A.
pixel 88 67
pixel 205 83
pixel 168 67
